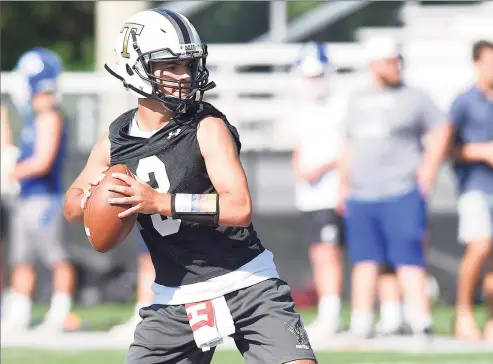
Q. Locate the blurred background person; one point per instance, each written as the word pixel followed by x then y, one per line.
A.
pixel 318 131
pixel 8 159
pixel 144 294
pixel 387 177
pixel 472 115
pixel 37 220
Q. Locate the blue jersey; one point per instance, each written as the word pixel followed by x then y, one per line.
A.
pixel 472 115
pixel 52 182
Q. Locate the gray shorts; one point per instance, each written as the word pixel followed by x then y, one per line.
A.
pixel 268 330
pixel 37 231
pixel 323 226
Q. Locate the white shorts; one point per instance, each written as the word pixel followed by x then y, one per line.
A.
pixel 475 210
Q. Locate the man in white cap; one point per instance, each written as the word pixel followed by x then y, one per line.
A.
pixel 315 160
pixel 387 176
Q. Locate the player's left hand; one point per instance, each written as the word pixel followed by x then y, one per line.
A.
pixel 143 198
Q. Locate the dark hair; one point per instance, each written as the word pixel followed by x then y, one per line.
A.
pixel 479 47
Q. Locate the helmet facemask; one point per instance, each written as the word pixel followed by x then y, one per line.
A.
pixel 189 92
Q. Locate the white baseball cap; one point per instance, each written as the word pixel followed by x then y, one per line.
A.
pixel 382 47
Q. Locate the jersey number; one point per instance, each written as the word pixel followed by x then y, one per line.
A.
pixel 163 225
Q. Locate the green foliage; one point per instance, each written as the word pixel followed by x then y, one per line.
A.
pixel 67 27
pixel 296 8
pixel 376 14
pixel 62 26
pixel 232 21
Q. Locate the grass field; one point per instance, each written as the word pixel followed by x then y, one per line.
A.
pixel 102 317
pixel 17 356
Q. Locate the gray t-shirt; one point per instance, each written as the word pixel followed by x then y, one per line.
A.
pixel 385 128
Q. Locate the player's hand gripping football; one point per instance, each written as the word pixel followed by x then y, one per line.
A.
pixel 143 198
pixel 87 190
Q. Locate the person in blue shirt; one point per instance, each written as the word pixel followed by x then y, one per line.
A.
pixel 7 160
pixel 472 115
pixel 37 222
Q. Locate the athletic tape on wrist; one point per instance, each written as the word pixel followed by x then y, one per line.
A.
pixel 195 203
pixel 199 208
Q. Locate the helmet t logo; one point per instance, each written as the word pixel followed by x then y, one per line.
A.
pixel 128 27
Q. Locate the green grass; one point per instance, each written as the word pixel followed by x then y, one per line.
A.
pixel 94 318
pixel 17 356
pixel 102 317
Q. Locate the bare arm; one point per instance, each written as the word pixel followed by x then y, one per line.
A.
pixel 343 176
pixel 48 136
pixel 295 164
pixel 436 152
pixel 225 172
pixel 467 152
pixel 98 161
pixel 438 136
pixel 6 131
pixel 473 152
pixel 343 166
pixel 314 174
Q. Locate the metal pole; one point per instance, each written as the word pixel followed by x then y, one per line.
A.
pixel 278 14
pixel 278 20
pixel 321 16
pixel 110 16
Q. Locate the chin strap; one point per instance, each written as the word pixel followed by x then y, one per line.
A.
pixel 125 84
pixel 180 108
pixel 208 87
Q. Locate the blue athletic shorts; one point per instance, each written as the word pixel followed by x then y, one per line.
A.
pixel 387 231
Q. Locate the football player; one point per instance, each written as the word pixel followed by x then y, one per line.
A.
pixel 213 276
pixel 37 224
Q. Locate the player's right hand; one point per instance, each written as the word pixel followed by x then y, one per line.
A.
pixel 87 190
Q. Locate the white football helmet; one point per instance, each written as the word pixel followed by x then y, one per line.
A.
pixel 161 35
pixel 313 61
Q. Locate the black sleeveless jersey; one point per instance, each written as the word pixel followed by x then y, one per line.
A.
pixel 170 161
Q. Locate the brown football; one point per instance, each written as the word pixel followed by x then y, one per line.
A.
pixel 104 228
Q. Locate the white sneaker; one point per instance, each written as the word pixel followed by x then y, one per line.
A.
pixel 126 328
pixel 50 325
pixel 362 333
pixel 361 324
pixel 387 328
pixel 11 326
pixel 322 328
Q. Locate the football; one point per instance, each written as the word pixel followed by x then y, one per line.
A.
pixel 104 228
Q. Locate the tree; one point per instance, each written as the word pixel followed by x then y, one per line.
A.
pixel 65 27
